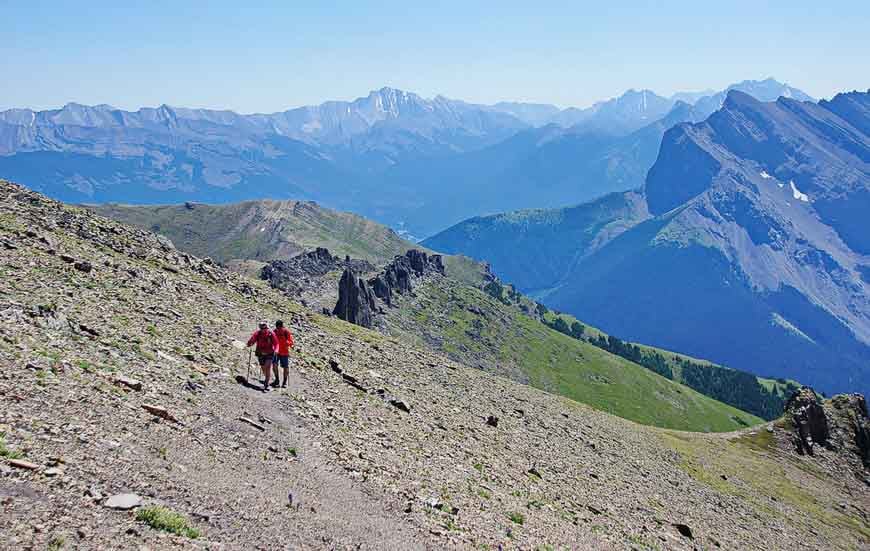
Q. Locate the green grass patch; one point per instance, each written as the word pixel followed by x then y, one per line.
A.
pixel 56 543
pixel 517 518
pixel 6 451
pixel 167 520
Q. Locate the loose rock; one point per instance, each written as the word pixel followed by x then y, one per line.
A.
pixel 123 502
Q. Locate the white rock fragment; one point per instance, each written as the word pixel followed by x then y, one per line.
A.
pixel 123 502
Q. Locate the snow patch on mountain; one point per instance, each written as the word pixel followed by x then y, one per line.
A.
pixel 777 319
pixel 797 193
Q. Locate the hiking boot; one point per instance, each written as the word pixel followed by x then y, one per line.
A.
pixel 275 383
pixel 284 384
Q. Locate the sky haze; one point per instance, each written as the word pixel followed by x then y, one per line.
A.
pixel 266 57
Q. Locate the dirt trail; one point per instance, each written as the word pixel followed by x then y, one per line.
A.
pixel 326 503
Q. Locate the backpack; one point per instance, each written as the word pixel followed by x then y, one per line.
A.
pixel 264 340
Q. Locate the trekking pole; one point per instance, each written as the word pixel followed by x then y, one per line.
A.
pixel 250 353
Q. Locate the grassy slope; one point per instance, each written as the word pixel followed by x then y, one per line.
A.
pixel 262 230
pixel 472 327
pixel 752 467
pixel 672 358
pixel 544 244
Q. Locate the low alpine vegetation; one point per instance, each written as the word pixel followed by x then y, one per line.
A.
pixel 163 518
pixel 517 518
pixel 6 452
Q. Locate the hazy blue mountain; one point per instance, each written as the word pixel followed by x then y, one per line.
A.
pixel 636 109
pixel 417 164
pixel 691 97
pixel 753 252
pixel 533 114
pixel 538 168
pixel 618 116
pixel 534 248
pixel 81 153
pixel 768 89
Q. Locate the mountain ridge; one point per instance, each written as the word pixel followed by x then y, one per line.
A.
pixel 734 212
pixel 386 156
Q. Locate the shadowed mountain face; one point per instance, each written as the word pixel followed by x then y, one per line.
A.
pixel 416 164
pixel 755 254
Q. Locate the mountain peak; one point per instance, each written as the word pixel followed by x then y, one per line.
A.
pixel 735 99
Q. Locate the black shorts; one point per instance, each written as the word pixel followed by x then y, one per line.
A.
pixel 264 359
pixel 283 360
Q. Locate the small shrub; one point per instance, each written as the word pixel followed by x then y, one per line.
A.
pixel 6 452
pixel 516 517
pixel 162 518
pixel 56 543
pixel 86 367
pixel 292 452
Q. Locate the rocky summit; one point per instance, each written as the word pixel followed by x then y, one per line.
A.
pixel 304 274
pixel 124 427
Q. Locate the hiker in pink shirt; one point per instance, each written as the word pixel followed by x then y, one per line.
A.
pixel 266 345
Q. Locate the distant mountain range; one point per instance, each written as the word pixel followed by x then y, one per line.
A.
pixel 416 164
pixel 749 244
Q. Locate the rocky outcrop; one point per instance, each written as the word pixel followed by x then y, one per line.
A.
pixel 396 277
pixel 810 422
pixel 840 424
pixel 851 425
pixel 356 301
pixel 296 274
pixel 356 298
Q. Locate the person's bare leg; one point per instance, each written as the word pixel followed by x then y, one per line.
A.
pixel 267 372
pixel 286 375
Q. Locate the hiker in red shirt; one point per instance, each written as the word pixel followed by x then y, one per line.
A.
pixel 265 350
pixel 282 355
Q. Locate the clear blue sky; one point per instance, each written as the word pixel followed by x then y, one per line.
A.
pixel 262 56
